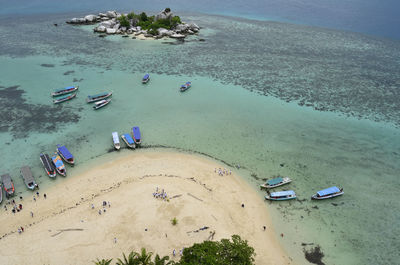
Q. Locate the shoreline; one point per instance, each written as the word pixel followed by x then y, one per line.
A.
pixel 66 222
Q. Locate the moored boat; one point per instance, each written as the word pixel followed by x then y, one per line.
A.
pixel 146 78
pixel 136 135
pixel 186 86
pixel 281 195
pixel 276 182
pixel 128 140
pixel 115 137
pixel 101 103
pixel 330 192
pixel 97 97
pixel 8 185
pixel 59 165
pixel 63 91
pixel 65 154
pixel 1 192
pixel 48 165
pixel 64 98
pixel 28 178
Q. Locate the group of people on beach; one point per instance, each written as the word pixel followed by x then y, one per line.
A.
pixel 160 195
pixel 104 205
pixel 223 171
pixel 180 252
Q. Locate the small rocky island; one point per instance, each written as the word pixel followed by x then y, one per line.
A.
pixel 164 24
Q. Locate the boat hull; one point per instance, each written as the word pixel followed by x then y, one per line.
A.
pixel 51 175
pixel 96 107
pixel 117 146
pixel 315 197
pixel 88 100
pixel 69 161
pixel 285 181
pixel 54 94
pixel 267 197
pixel 145 81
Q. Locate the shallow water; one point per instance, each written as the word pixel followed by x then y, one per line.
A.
pixel 220 116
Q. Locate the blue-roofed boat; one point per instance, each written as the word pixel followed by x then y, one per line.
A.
pixel 276 182
pixel 128 140
pixel 63 91
pixel 59 165
pixel 146 78
pixel 186 86
pixel 64 98
pixel 136 135
pixel 97 97
pixel 281 195
pixel 65 154
pixel 328 193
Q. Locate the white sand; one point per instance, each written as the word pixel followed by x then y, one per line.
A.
pixel 203 199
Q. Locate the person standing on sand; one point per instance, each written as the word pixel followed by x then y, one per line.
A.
pixel 173 253
pixel 45 196
pixel 115 240
pixel 32 214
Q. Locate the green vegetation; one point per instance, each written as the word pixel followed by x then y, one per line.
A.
pixel 148 22
pixel 174 221
pixel 224 252
pixel 103 262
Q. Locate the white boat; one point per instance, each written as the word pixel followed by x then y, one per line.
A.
pixel 101 103
pixel 281 195
pixel 28 178
pixel 328 193
pixel 115 137
pixel 276 182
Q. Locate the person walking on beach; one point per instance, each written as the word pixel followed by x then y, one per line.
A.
pixel 32 214
pixel 173 253
pixel 45 196
pixel 115 240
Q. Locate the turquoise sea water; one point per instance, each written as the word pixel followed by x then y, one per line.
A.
pixel 236 111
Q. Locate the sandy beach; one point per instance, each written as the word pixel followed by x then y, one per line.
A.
pixel 65 229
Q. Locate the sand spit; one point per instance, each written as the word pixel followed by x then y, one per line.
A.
pixel 67 227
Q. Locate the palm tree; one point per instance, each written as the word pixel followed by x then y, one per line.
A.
pixel 102 262
pixel 162 261
pixel 131 260
pixel 144 257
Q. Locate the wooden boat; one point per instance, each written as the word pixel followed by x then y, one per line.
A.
pixel 28 178
pixel 276 182
pixel 64 91
pixel 65 154
pixel 101 103
pixel 136 135
pixel 328 193
pixel 115 137
pixel 186 86
pixel 48 165
pixel 281 195
pixel 146 78
pixel 64 98
pixel 128 140
pixel 8 185
pixel 59 165
pixel 98 97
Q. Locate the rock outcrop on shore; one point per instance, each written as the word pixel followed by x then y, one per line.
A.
pixel 109 23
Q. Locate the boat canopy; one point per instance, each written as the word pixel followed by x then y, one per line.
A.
pixel 115 137
pixel 64 151
pixel 98 95
pixel 65 88
pixel 328 191
pixel 136 133
pixel 146 76
pixel 188 83
pixel 282 193
pixel 7 182
pixel 129 138
pixel 27 174
pixel 275 181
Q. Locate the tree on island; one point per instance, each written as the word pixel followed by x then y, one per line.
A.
pixel 224 252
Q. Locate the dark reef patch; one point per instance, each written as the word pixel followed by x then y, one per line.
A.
pixel 77 80
pixel 48 65
pixel 21 118
pixel 314 255
pixel 69 72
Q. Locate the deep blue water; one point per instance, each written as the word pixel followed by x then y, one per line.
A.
pixel 374 17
